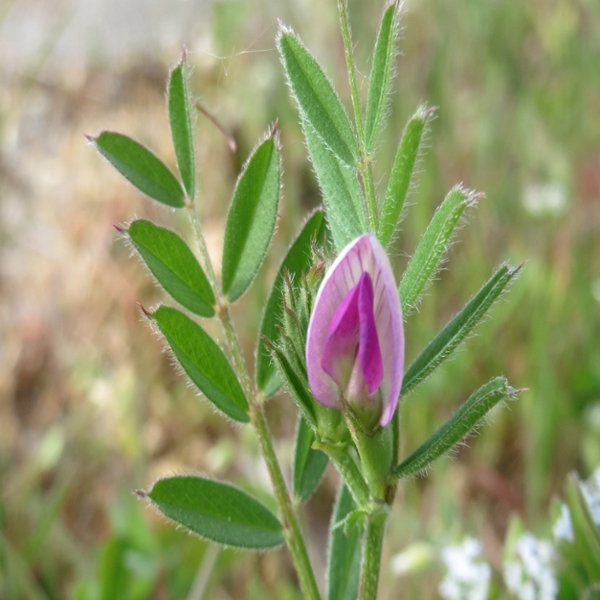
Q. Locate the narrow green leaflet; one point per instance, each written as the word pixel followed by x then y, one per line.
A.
pixel 140 167
pixel 343 565
pixel 251 218
pixel 402 174
pixel 217 511
pixel 467 418
pixel 203 361
pixel 296 262
pixel 174 265
pixel 447 340
pixel 381 74
pixel 319 104
pixel 113 575
pixel 586 536
pixel 432 247
pixel 309 464
pixel 342 196
pixel 180 117
pixel 296 385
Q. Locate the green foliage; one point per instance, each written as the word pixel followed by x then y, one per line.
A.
pixel 586 534
pixel 342 196
pixel 217 511
pixel 251 218
pixel 174 265
pixel 448 340
pixel 402 174
pixel 309 464
pixel 203 362
pixel 381 74
pixel 180 117
pixel 319 104
pixel 433 245
pixel 296 384
pixel 141 168
pixel 296 262
pixel 344 554
pixel 464 421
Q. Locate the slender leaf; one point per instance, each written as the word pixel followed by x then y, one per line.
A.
pixel 113 573
pixel 217 511
pixel 140 167
pixel 319 104
pixel 342 196
pixel 296 384
pixel 447 340
pixel 203 361
pixel 251 219
pixel 174 265
pixel 343 565
pixel 467 418
pixel 432 247
pixel 586 535
pixel 296 261
pixel 381 73
pixel 309 464
pixel 402 174
pixel 180 117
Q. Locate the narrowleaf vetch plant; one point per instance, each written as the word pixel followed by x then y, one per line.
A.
pixel 332 331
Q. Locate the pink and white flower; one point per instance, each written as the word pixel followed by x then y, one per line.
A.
pixel 355 340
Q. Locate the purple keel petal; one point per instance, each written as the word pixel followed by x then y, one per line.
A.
pixel 343 336
pixel 369 353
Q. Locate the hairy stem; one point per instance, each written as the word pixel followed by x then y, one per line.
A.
pixel 291 526
pixel 294 538
pixel 371 565
pixel 350 472
pixel 364 166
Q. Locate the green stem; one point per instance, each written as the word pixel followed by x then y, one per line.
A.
pixel 295 540
pixel 360 130
pixel 350 472
pixel 290 522
pixel 207 264
pixel 371 565
pixel 364 166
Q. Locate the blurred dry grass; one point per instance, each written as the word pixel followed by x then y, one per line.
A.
pixel 89 404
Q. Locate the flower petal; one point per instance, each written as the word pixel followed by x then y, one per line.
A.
pixel 369 352
pixel 364 255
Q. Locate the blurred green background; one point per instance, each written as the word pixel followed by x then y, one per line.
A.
pixel 90 406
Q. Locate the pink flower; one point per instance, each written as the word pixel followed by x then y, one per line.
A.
pixel 355 341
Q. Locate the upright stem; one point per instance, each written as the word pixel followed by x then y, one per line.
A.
pixel 364 167
pixel 373 546
pixel 290 522
pixel 295 540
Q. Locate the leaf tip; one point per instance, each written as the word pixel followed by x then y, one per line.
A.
pixel 120 229
pixel 147 313
pixel 183 54
pixel 90 138
pixel 275 127
pixel 140 493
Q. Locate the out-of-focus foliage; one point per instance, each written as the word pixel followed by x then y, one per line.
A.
pixel 90 408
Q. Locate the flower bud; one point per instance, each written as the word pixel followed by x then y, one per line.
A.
pixel 355 339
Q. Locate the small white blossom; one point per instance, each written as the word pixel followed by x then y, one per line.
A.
pixel 531 575
pixel 468 575
pixel 546 199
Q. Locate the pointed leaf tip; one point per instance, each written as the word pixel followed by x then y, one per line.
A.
pixel 146 312
pixel 89 138
pixel 140 493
